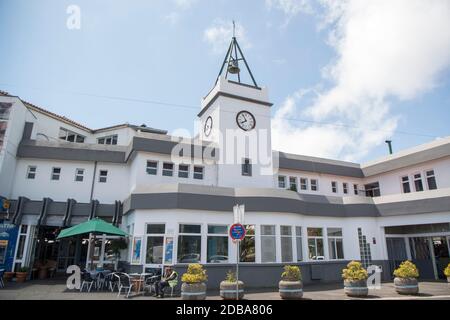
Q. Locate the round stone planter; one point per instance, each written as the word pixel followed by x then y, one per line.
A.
pixel 21 276
pixel 290 290
pixel 8 276
pixel 228 290
pixel 356 288
pixel 193 291
pixel 406 285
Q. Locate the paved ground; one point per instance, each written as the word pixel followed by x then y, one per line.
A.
pixel 56 290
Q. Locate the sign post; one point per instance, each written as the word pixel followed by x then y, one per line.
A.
pixel 237 233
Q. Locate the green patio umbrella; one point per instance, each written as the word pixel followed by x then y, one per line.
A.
pixel 94 226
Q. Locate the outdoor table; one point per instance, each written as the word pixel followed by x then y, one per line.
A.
pixel 138 280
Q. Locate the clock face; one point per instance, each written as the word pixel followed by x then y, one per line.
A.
pixel 208 126
pixel 245 120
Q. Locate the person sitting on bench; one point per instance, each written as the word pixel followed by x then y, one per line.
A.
pixel 169 276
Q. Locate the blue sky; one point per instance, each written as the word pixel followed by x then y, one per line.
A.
pixel 159 51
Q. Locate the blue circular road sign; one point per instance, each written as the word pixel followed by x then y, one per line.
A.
pixel 237 231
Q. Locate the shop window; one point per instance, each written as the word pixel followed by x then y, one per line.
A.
pixel 31 172
pixel 405 184
pixel 217 244
pixel 247 245
pixel 189 243
pixel 431 180
pixel 167 169
pixel 286 243
pixel 183 171
pixel 299 243
pixel 315 244
pixel 56 173
pixel 198 173
pixel 335 243
pixel 268 244
pixel 152 168
pixel 155 243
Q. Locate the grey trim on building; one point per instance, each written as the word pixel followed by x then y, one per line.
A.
pixel 27 130
pixel 232 96
pixel 430 205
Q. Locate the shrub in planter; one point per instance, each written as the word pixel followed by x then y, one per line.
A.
pixel 355 280
pixel 291 286
pixel 8 276
pixel 229 285
pixel 194 286
pixel 406 278
pixel 447 273
pixel 21 274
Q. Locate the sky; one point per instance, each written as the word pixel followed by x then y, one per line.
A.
pixel 344 75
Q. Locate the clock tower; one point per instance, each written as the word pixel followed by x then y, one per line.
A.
pixel 236 116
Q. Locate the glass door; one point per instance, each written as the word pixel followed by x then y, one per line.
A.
pixel 422 257
pixel 441 254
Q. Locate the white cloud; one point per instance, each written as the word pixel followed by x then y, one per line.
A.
pixel 385 51
pixel 290 8
pixel 219 35
pixel 180 6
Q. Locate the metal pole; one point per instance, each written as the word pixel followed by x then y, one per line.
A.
pixel 237 270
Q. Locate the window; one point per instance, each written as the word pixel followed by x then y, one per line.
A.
pixel 217 244
pixel 167 169
pixel 372 189
pixel 198 173
pixel 314 185
pixel 109 140
pixel 155 243
pixel 247 245
pixel 70 136
pixel 431 180
pixel 282 182
pixel 247 168
pixel 286 243
pixel 299 243
pixel 345 187
pixel 335 244
pixel 103 176
pixel 293 183
pixel 405 184
pixel 183 171
pixel 189 243
pixel 355 189
pixel 21 242
pixel 315 244
pixel 31 172
pixel 152 168
pixel 56 173
pixel 268 244
pixel 79 175
pixel 303 183
pixel 418 184
pixel 334 188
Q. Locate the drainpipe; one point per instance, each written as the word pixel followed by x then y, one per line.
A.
pixel 93 181
pixel 389 143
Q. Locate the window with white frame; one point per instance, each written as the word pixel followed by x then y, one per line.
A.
pixel 405 185
pixel 246 167
pixel 355 189
pixel 79 175
pixel 70 136
pixel 198 172
pixel 56 173
pixel 431 180
pixel 247 245
pixel 183 171
pixel 293 183
pixel 286 243
pixel 167 169
pixel 282 182
pixel 189 243
pixel 108 140
pixel 418 184
pixel 155 243
pixel 268 244
pixel 21 242
pixel 152 167
pixel 335 243
pixel 217 244
pixel 345 187
pixel 315 244
pixel 334 187
pixel 103 176
pixel 303 183
pixel 314 185
pixel 299 243
pixel 31 172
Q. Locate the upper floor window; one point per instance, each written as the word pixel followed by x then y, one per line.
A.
pixel 152 167
pixel 314 185
pixel 167 169
pixel 282 182
pixel 431 180
pixel 247 167
pixel 103 177
pixel 334 187
pixel 70 136
pixel 345 187
pixel 418 184
pixel 293 183
pixel 198 173
pixel 110 140
pixel 183 171
pixel 79 175
pixel 303 183
pixel 405 185
pixel 372 189
pixel 56 172
pixel 355 189
pixel 31 172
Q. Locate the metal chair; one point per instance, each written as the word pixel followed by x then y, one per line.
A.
pixel 125 282
pixel 111 281
pixel 150 282
pixel 172 285
pixel 87 280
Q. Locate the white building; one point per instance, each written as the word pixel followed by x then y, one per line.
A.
pixel 317 213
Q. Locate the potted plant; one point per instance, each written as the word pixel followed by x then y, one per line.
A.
pixel 194 286
pixel 291 286
pixel 447 273
pixel 229 285
pixel 21 274
pixel 355 280
pixel 117 245
pixel 406 278
pixel 8 276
